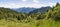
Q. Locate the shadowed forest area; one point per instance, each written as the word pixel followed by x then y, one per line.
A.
pixel 11 18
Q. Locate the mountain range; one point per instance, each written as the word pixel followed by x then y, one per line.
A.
pixel 41 10
pixel 32 10
pixel 24 9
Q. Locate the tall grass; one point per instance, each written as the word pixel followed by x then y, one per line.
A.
pixel 34 23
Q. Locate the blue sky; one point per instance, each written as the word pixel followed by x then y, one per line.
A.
pixel 27 3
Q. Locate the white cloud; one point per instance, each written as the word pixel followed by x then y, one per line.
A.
pixel 12 5
pixel 36 1
pixel 24 0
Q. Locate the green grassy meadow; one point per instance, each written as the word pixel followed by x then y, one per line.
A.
pixel 10 18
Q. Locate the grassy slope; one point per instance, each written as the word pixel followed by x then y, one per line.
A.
pixel 33 23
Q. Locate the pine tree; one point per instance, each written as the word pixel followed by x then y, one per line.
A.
pixel 57 4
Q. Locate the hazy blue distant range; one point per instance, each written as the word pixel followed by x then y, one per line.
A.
pixel 24 10
pixel 41 10
pixel 32 10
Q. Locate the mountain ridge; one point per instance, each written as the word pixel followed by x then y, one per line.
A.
pixel 24 9
pixel 29 10
pixel 41 10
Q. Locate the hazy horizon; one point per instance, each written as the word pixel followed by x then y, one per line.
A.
pixel 27 3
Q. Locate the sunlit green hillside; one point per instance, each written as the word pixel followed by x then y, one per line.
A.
pixel 11 18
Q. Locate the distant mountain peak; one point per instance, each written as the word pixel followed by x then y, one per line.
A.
pixel 32 10
pixel 25 9
pixel 40 10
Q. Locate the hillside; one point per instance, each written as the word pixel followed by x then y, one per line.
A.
pixel 50 18
pixel 41 10
pixel 6 13
pixel 54 13
pixel 24 9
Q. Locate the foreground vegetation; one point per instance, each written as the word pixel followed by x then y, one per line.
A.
pixel 10 18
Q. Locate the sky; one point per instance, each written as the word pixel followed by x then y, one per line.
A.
pixel 27 3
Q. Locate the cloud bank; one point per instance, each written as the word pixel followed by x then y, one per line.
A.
pixel 25 3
